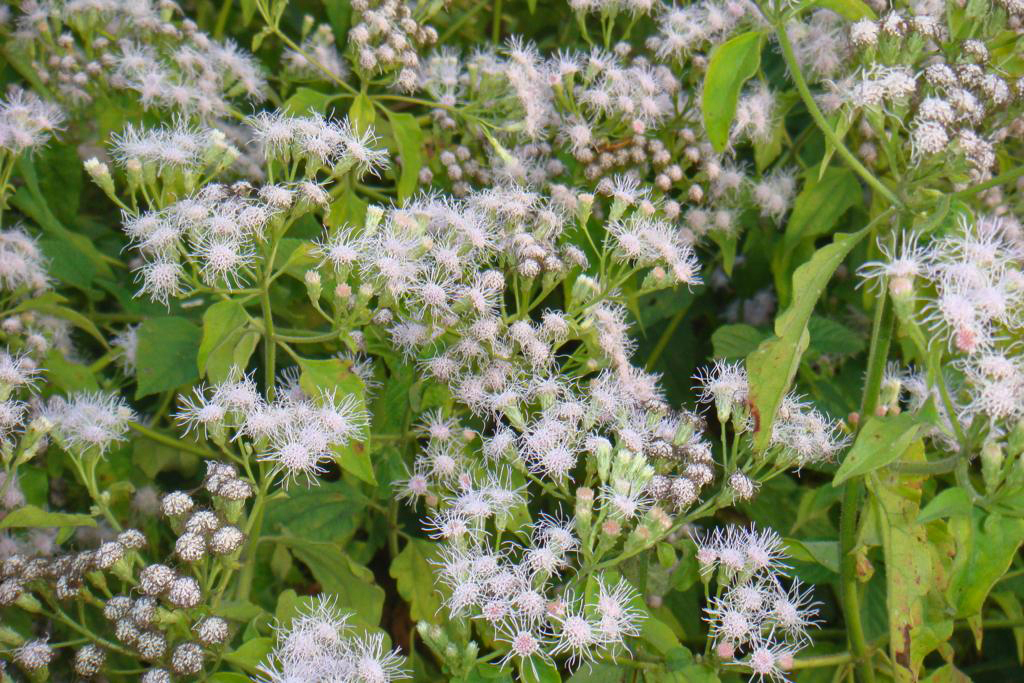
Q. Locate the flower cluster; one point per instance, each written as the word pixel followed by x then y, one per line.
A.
pixel 318 646
pixel 87 50
pixel 754 619
pixel 296 433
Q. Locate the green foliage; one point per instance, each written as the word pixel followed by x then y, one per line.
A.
pixel 166 357
pixel 774 363
pixel 730 65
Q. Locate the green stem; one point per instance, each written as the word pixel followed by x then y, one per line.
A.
pixel 819 120
pixel 252 533
pixel 222 19
pixel 822 661
pixel 496 23
pixel 269 343
pixel 663 341
pixel 166 440
pixel 994 182
pixel 881 335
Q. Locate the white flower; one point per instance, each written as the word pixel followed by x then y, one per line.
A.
pixel 90 422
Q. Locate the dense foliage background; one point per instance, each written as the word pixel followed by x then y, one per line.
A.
pixel 609 340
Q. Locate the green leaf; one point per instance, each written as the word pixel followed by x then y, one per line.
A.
pixel 910 573
pixel 351 583
pixel 820 204
pixel 166 356
pixel 340 16
pixel 335 375
pixel 986 545
pixel 243 350
pixel 537 670
pixel 658 634
pixel 30 516
pixel 1009 602
pixel 825 553
pixel 68 376
pixel 765 152
pixel 224 326
pixel 881 441
pixel 250 653
pixel 600 672
pixel 228 677
pixel 306 100
pixel 50 304
pixel 848 9
pixel 412 571
pixel 60 180
pixel 239 610
pixel 731 64
pixel 831 338
pixel 774 364
pixel 331 510
pixel 362 114
pixel 31 201
pixel 732 342
pixel 409 139
pixel 953 502
pixel 66 263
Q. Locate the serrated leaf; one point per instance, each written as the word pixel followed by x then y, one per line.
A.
pixel 825 553
pixel 33 517
pixel 912 570
pixel 166 355
pixel 731 64
pixel 881 441
pixel 67 375
pixel 409 139
pixel 773 365
pixel 412 571
pixel 31 201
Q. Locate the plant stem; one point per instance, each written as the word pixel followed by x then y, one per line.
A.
pixel 166 440
pixel 663 341
pixel 496 23
pixel 822 661
pixel 1006 177
pixel 819 120
pixel 269 343
pixel 881 335
pixel 252 533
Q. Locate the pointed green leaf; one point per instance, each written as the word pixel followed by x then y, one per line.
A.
pixel 731 64
pixel 31 516
pixel 773 365
pixel 881 441
pixel 409 139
